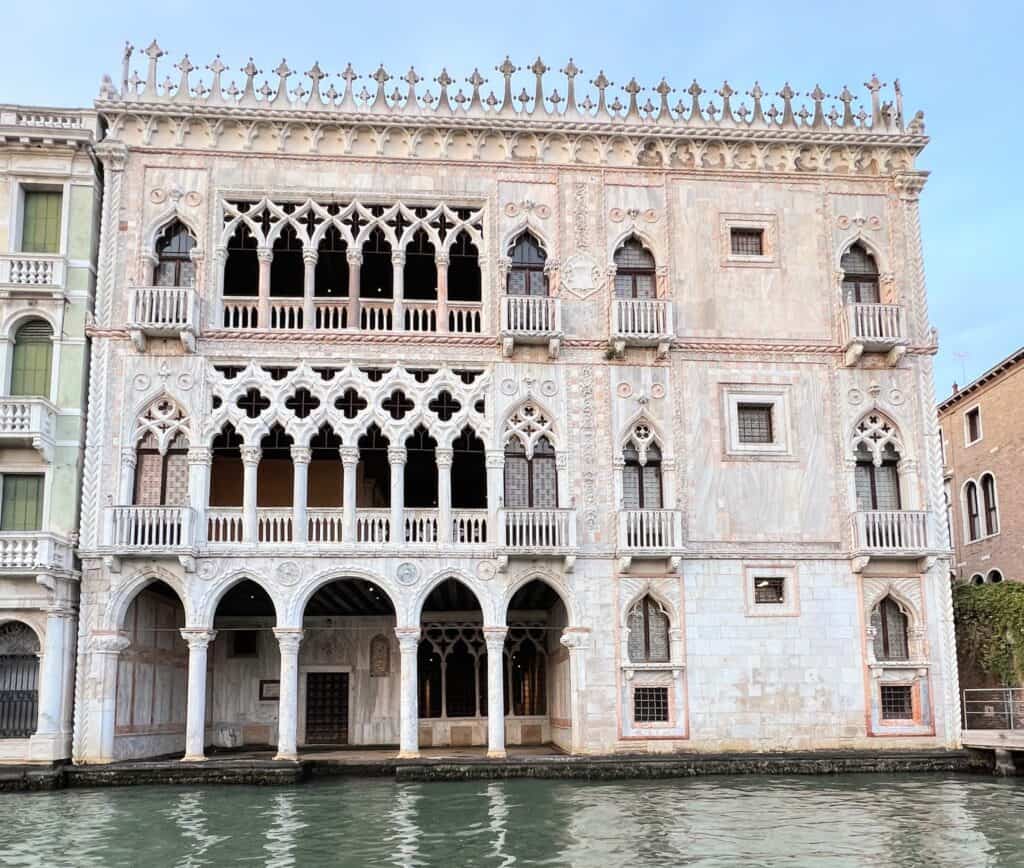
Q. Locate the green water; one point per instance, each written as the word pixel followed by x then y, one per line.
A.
pixel 862 820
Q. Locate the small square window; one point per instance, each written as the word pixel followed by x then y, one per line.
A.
pixel 650 705
pixel 746 242
pixel 755 423
pixel 244 643
pixel 769 590
pixel 973 418
pixel 897 702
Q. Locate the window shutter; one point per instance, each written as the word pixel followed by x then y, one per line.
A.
pixel 887 487
pixel 863 480
pixel 40 232
pixel 176 485
pixel 517 494
pixel 32 358
pixel 658 624
pixel 631 486
pixel 517 279
pixel 636 633
pixel 896 627
pixel 879 641
pixel 651 475
pixel 148 473
pixel 22 503
pixel 545 482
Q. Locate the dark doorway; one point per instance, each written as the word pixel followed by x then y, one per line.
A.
pixel 327 708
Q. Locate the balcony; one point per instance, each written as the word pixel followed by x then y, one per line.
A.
pixel 164 312
pixel 531 319
pixel 649 533
pixel 148 531
pixel 28 422
pixel 533 533
pixel 33 551
pixel 889 534
pixel 642 322
pixel 242 313
pixel 31 271
pixel 874 328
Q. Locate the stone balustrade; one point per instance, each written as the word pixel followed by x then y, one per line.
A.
pixel 650 530
pixel 149 528
pixel 32 270
pixel 537 530
pixel 33 551
pixel 890 532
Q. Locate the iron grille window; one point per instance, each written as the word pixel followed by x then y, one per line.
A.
pixel 161 480
pixel 973 425
pixel 650 705
pixel 755 423
pixel 860 276
pixel 769 589
pixel 897 702
pixel 531 483
pixel 891 631
pixel 747 242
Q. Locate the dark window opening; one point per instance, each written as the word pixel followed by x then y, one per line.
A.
pixel 897 702
pixel 526 665
pixel 444 406
pixel 464 282
pixel 421 471
pixel 242 268
pixel 287 273
pixel 429 664
pixel 860 276
pixel 278 373
pixel 325 471
pixel 650 704
pixel 973 425
pixel 376 275
pixel 988 493
pixel 769 589
pixel 420 272
pixel 469 472
pixel 373 479
pixel 755 423
pixel 275 476
pixel 253 403
pixel 226 470
pixel 244 643
pixel 174 266
pixel 641 483
pixel 746 241
pixel 19 680
pixel 302 403
pixel 878 487
pixel 397 405
pixel 973 516
pixel 330 280
pixel 351 403
pixel 634 271
pixel 526 272
pixel 648 633
pixel 891 627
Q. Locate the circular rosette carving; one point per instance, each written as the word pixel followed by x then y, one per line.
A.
pixel 624 390
pixel 508 386
pixel 288 573
pixel 548 388
pixel 616 215
pixel 407 573
pixel 657 391
pixel 207 570
pixel 486 570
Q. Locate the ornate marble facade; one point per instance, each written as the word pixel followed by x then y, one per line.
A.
pixel 713 450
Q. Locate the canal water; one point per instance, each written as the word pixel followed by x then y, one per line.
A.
pixel 857 820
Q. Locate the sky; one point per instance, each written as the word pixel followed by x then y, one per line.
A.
pixel 959 62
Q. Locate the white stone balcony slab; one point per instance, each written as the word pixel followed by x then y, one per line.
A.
pixel 531 319
pixel 642 322
pixel 875 328
pixel 890 533
pixel 33 551
pixel 149 531
pixel 164 312
pixel 535 533
pixel 32 271
pixel 28 422
pixel 649 533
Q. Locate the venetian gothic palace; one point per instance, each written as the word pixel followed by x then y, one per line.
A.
pixel 351 409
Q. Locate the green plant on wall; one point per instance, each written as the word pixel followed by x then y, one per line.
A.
pixel 990 629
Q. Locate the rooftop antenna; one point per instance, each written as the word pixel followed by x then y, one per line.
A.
pixel 962 358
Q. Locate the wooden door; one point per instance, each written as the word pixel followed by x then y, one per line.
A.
pixel 327 708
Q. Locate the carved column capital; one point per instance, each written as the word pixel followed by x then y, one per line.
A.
pixel 441 260
pixel 301 454
pixel 109 643
pixel 198 638
pixel 113 154
pixel 408 639
pixel 251 454
pixel 397 455
pixel 495 639
pixel 200 455
pixel 444 456
pixel 265 254
pixel 349 455
pixel 909 186
pixel 495 459
pixel 288 639
pixel 575 638
pixel 128 457
pixel 354 257
pixel 310 255
pixel 398 257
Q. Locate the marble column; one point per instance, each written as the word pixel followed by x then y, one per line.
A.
pixel 355 263
pixel 442 291
pixel 495 491
pixel 195 726
pixel 350 466
pixel 250 520
pixel 301 456
pixel 126 494
pixel 51 671
pixel 106 648
pixel 309 258
pixel 576 640
pixel 444 457
pixel 409 714
pixel 398 284
pixel 199 461
pixel 495 639
pixel 397 456
pixel 264 255
pixel 288 640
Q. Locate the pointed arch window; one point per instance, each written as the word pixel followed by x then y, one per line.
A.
pixel 648 626
pixel 973 515
pixel 531 481
pixel 891 627
pixel 988 494
pixel 464 279
pixel 32 359
pixel 174 265
pixel 634 271
pixel 161 479
pixel 860 275
pixel 641 478
pixel 878 482
pixel 526 274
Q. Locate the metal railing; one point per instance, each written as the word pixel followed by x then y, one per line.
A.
pixel 31 269
pixel 531 316
pixel 530 529
pixel 878 324
pixel 994 708
pixel 890 531
pixel 643 319
pixel 149 527
pixel 163 309
pixel 19 696
pixel 650 529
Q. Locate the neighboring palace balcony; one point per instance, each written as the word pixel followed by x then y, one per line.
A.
pixel 533 533
pixel 150 531
pixel 30 552
pixel 531 319
pixel 642 322
pixel 164 312
pixel 649 533
pixel 243 313
pixel 874 328
pixel 20 271
pixel 28 422
pixel 890 534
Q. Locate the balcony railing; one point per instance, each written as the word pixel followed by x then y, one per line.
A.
pixel 874 328
pixel 225 525
pixel 525 531
pixel 531 317
pixel 373 525
pixel 149 528
pixel 33 550
pixel 469 526
pixel 642 321
pixel 650 530
pixel 31 270
pixel 164 311
pixel 890 532
pixel 28 422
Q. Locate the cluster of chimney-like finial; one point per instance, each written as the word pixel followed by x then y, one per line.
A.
pixel 373 97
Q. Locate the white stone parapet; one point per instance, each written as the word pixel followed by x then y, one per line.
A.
pixel 890 531
pixel 32 270
pixel 33 550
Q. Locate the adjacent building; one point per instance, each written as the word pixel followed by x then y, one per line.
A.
pixel 983 460
pixel 49 202
pixel 433 417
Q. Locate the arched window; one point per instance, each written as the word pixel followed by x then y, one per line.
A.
pixel 376 275
pixel 648 632
pixel 641 478
pixel 287 273
pixel 242 267
pixel 995 576
pixel 977 579
pixel 878 482
pixel 526 274
pixel 634 271
pixel 988 494
pixel 174 266
pixel 330 280
pixel 973 515
pixel 531 481
pixel 891 631
pixel 32 359
pixel 161 480
pixel 419 280
pixel 19 671
pixel 860 275
pixel 464 282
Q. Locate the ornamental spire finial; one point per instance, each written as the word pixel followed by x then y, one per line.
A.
pixel 787 95
pixel 632 88
pixel 875 86
pixel 216 66
pixel 663 90
pixel 570 71
pixel 695 90
pixel 538 69
pixel 725 93
pixel 315 74
pixel 348 100
pixel 154 52
pixel 602 84
pixel 412 78
pixel 819 116
pixel 444 81
pixel 475 81
pixel 184 66
pixel 507 69
pixel 282 72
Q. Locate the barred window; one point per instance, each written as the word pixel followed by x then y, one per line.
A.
pixel 634 271
pixel 648 632
pixel 526 275
pixel 860 275
pixel 755 423
pixel 891 631
pixel 878 486
pixel 897 702
pixel 641 483
pixel 650 705
pixel 746 241
pixel 769 589
pixel 174 265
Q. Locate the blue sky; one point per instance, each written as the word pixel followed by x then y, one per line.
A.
pixel 954 60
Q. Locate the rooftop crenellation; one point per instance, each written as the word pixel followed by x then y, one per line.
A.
pixel 381 93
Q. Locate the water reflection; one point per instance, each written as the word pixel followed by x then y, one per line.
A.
pixel 842 821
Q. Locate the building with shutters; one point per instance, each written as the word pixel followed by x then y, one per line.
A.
pixel 428 419
pixel 49 201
